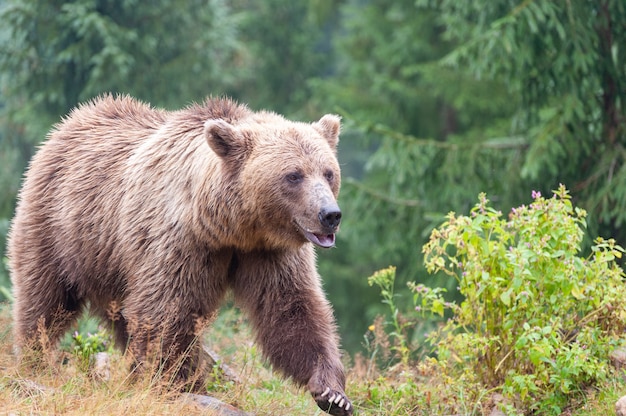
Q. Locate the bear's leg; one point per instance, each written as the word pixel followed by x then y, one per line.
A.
pixel 168 343
pixel 167 311
pixel 175 354
pixel 43 309
pixel 293 321
pixel 120 333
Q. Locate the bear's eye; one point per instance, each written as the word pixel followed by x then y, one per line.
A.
pixel 294 177
pixel 329 175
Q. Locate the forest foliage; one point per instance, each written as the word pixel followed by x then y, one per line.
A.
pixel 441 100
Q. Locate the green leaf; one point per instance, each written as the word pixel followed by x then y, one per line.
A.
pixel 505 297
pixel 576 292
pixel 438 307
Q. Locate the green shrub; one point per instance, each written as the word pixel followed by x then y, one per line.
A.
pixel 537 320
pixel 86 347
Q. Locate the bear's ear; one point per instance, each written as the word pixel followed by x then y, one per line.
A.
pixel 329 127
pixel 225 140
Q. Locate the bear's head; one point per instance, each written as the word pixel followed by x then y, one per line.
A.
pixel 284 175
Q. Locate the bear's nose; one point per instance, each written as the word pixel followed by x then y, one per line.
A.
pixel 330 218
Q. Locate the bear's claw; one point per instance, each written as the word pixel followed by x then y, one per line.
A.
pixel 333 402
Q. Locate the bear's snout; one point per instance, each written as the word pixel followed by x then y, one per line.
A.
pixel 330 217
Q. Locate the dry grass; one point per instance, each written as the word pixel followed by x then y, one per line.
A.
pixel 58 386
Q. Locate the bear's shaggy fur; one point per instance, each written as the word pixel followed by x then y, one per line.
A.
pixel 161 213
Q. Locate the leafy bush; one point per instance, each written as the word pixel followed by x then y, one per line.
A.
pixel 537 320
pixel 86 347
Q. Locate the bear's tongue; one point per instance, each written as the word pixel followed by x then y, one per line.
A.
pixel 322 240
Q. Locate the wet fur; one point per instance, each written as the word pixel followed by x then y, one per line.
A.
pixel 129 205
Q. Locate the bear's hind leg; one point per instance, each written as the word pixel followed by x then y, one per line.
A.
pixel 43 313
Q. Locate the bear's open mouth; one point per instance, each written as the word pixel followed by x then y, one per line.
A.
pixel 322 240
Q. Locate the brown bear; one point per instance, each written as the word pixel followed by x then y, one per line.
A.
pixel 162 213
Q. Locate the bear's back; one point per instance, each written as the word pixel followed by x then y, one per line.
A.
pixel 66 213
pixel 99 187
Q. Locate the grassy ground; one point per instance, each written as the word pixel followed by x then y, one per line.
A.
pixel 61 388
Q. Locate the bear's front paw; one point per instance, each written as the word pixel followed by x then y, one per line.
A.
pixel 334 402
